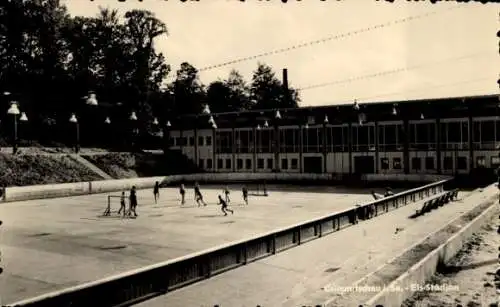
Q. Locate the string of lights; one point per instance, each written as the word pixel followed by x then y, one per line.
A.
pixel 415 90
pixel 329 38
pixel 396 70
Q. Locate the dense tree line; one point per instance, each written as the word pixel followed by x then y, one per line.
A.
pixel 52 62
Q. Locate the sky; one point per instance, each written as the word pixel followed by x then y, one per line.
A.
pixel 449 53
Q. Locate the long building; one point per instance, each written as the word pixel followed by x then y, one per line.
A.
pixel 446 136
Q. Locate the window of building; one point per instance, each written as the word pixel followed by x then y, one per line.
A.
pixel 462 163
pixel 183 141
pixel 339 138
pixel 416 163
pixel 220 163
pixel 485 134
pixel 209 164
pixel 289 140
pixel 495 162
pixel 384 163
pixel 201 163
pixel 487 131
pixel 295 163
pixel 191 141
pixel 200 141
pixel 260 163
pixel 284 163
pixel 454 134
pixel 481 161
pixel 248 163
pixel 396 163
pixel 264 138
pixel 422 135
pixel 208 141
pixel 270 164
pixel 171 141
pixel 363 137
pixel 224 141
pixel 447 163
pixel 244 141
pixel 312 139
pixel 429 163
pixel 228 163
pixel 239 163
pixel 390 137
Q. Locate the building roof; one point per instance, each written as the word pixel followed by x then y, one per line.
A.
pixel 482 105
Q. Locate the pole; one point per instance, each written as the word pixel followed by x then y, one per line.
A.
pixel 276 147
pixel 325 149
pixel 14 147
pixel 77 145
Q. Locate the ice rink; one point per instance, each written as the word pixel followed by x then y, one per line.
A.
pixel 52 244
pixel 313 273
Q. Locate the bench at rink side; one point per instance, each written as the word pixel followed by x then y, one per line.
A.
pixel 437 201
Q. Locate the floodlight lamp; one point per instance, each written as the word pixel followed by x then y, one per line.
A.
pixel 258 127
pixel 394 111
pixel 211 120
pixel 422 116
pixel 6 93
pixel 169 124
pixel 306 126
pixel 266 124
pixel 326 119
pixel 277 115
pixel 14 110
pixel 206 109
pixel 214 126
pixel 23 117
pixel 356 105
pixel 73 119
pixel 91 100
pixel 107 120
pixel 133 116
pixel 155 121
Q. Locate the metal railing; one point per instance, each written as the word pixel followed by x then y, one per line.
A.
pixel 138 285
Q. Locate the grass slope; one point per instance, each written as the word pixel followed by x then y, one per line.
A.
pixel 133 165
pixel 23 170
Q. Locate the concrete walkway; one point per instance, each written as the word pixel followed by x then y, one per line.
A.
pixel 302 276
pixel 79 159
pixel 56 243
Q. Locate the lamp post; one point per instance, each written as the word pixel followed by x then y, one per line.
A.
pixel 166 135
pixel 325 148
pixel 74 120
pixel 107 123
pixel 277 117
pixel 258 143
pixel 155 125
pixel 133 120
pixel 14 111
pixel 214 142
pixel 23 117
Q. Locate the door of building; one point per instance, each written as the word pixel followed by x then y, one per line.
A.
pixel 364 165
pixel 313 165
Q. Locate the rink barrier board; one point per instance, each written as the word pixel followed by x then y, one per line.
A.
pixel 21 193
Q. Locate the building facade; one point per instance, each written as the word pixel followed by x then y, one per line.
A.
pixel 440 136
